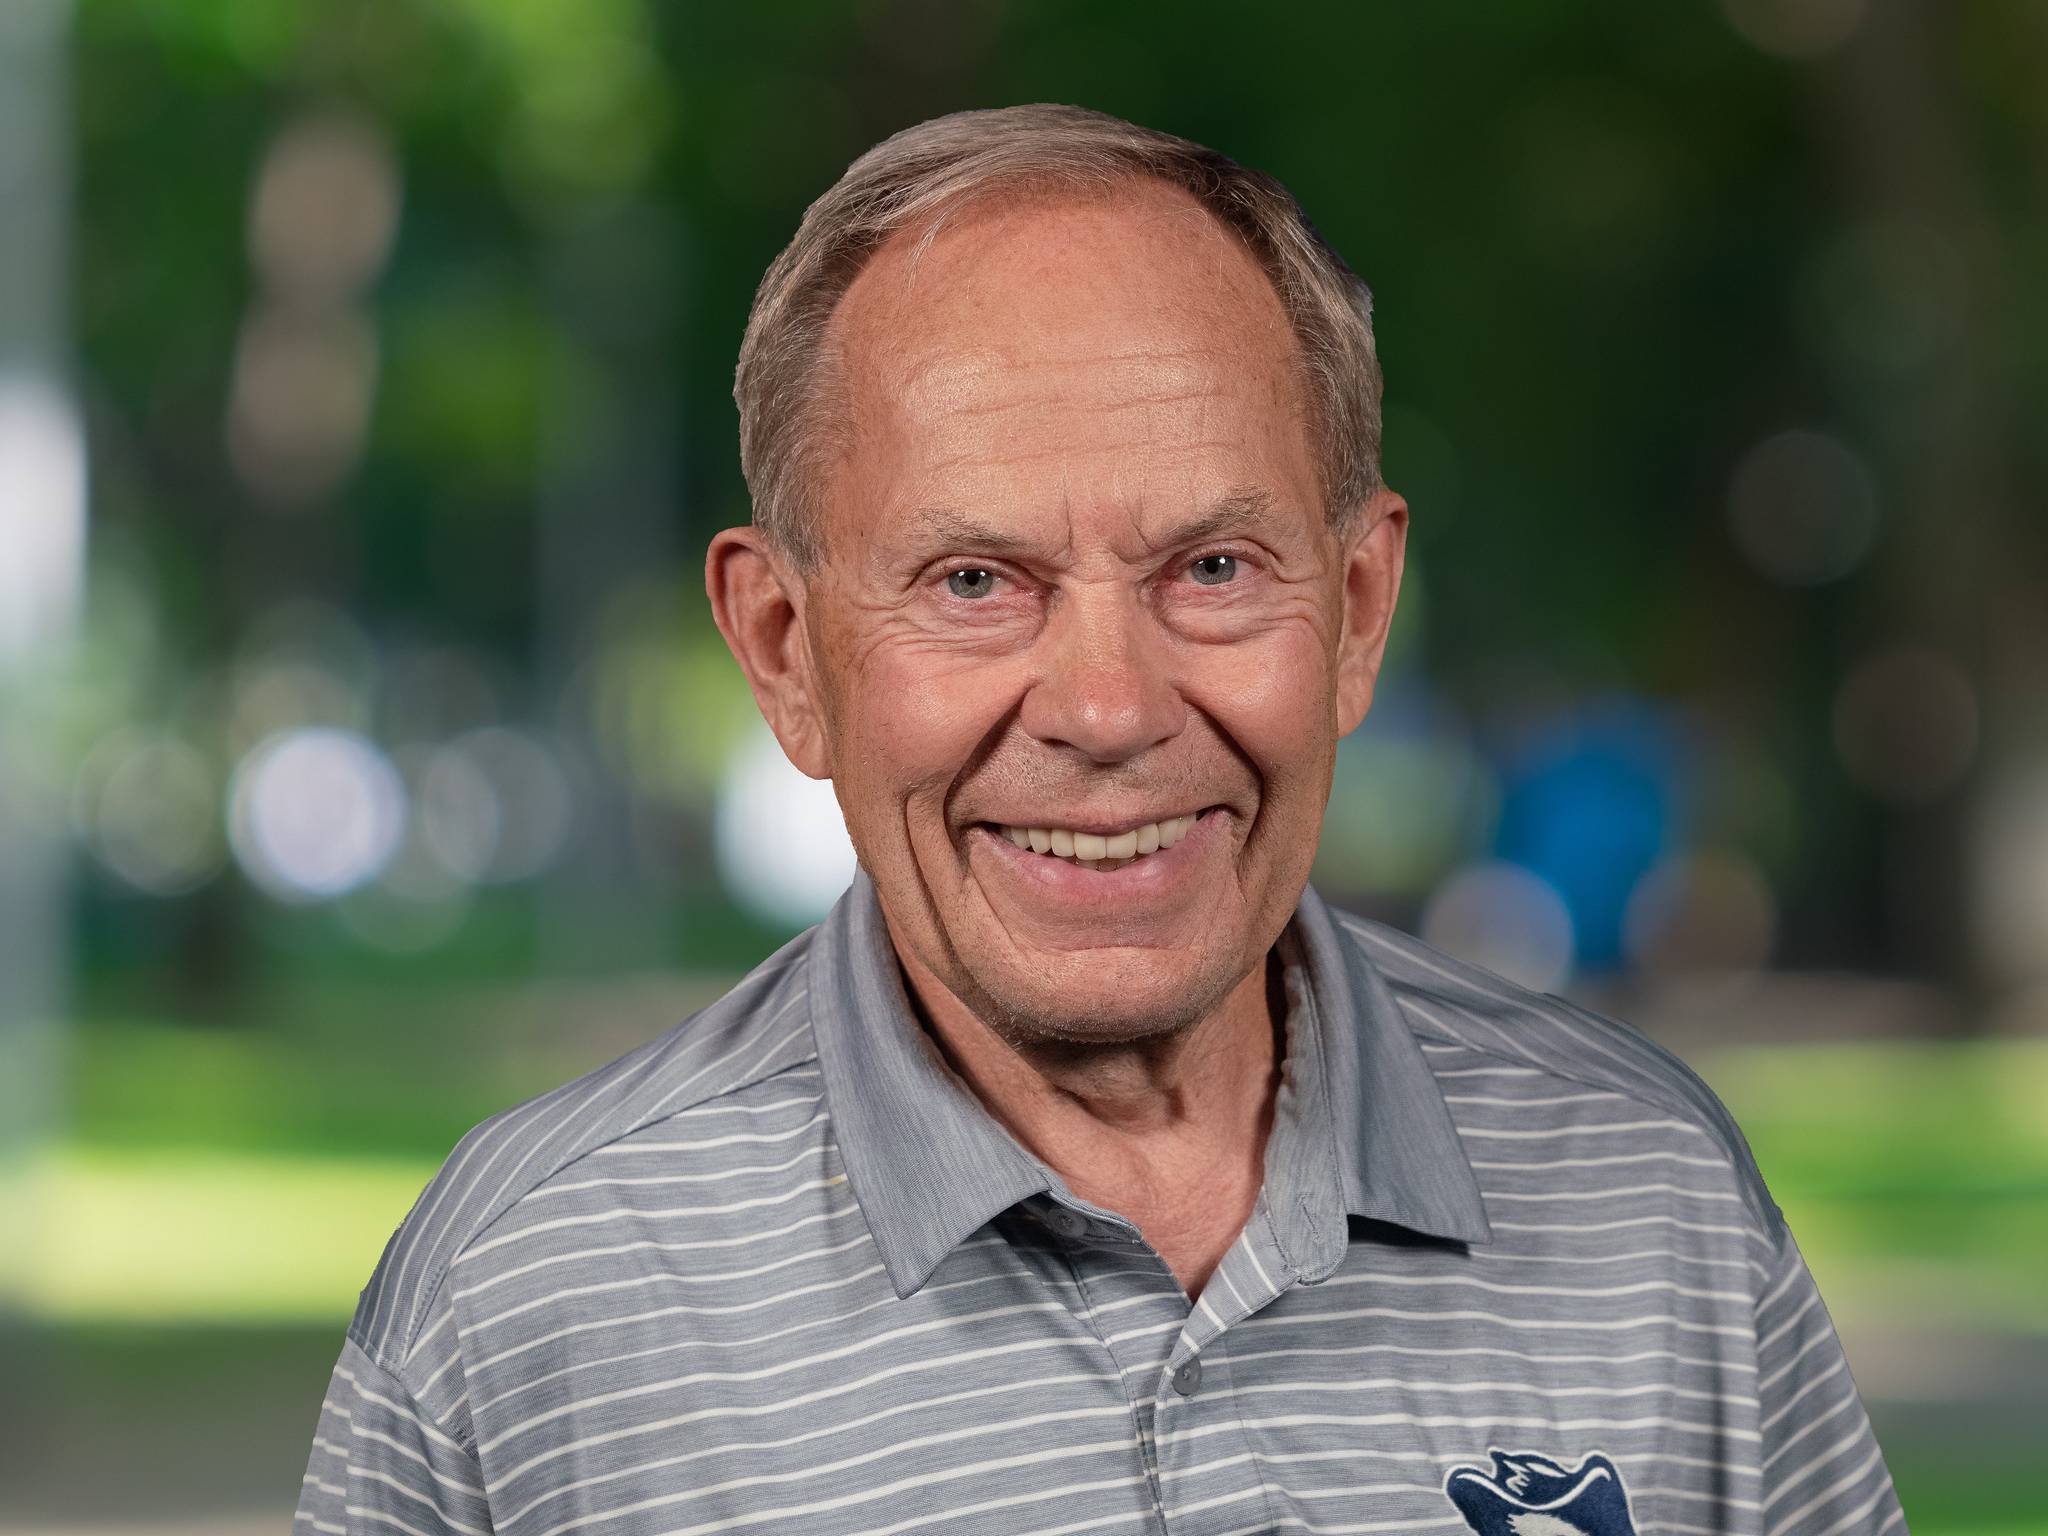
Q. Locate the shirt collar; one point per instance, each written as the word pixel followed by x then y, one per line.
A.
pixel 1358 1099
pixel 928 1165
pixel 1360 1125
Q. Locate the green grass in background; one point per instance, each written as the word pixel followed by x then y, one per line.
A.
pixel 1914 1173
pixel 216 1238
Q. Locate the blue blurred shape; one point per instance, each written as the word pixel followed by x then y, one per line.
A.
pixel 1588 804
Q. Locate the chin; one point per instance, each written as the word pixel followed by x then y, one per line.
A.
pixel 1110 1011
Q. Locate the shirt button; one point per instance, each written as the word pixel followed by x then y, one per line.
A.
pixel 1187 1376
pixel 1069 1224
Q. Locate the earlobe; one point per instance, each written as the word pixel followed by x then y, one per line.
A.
pixel 1373 561
pixel 758 605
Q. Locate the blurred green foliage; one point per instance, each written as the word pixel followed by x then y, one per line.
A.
pixel 1612 247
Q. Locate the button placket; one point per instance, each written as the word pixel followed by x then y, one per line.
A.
pixel 1115 1271
pixel 1210 1479
pixel 1196 1420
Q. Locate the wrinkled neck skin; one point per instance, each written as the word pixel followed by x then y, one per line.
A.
pixel 1167 1130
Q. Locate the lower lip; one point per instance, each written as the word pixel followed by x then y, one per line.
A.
pixel 1154 874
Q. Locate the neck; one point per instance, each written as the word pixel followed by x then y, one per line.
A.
pixel 1169 1131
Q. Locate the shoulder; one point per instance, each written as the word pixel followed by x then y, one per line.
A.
pixel 759 1030
pixel 1463 1017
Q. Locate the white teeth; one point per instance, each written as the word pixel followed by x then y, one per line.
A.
pixel 1094 850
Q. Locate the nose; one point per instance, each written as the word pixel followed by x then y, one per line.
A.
pixel 1107 688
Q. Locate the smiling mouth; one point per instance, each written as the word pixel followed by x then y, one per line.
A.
pixel 1097 850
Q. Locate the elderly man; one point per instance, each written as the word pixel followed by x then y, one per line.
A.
pixel 1083 1171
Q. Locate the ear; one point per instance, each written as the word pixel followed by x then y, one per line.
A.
pixel 1373 552
pixel 757 602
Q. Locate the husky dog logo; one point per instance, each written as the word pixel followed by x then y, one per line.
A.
pixel 1530 1495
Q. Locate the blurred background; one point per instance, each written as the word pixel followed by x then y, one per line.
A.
pixel 368 760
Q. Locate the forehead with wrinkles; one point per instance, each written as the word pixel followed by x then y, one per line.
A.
pixel 1039 326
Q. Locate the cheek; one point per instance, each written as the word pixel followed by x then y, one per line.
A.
pixel 913 717
pixel 1275 698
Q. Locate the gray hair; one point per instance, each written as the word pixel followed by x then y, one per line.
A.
pixel 920 175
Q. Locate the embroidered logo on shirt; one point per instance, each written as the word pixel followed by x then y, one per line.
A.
pixel 1526 1494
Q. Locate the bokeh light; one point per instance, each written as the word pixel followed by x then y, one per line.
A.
pixel 315 812
pixel 520 828
pixel 1411 797
pixel 1506 919
pixel 325 209
pixel 456 807
pixel 1796 29
pixel 1803 508
pixel 1886 298
pixel 1587 805
pixel 1905 723
pixel 1701 915
pixel 148 806
pixel 662 701
pixel 300 404
pixel 2009 904
pixel 322 217
pixel 780 839
pixel 42 513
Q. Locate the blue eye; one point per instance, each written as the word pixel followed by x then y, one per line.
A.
pixel 1214 570
pixel 972 582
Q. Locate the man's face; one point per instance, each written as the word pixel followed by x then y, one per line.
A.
pixel 1080 579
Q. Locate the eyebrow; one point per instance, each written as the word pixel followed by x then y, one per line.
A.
pixel 1244 509
pixel 949 526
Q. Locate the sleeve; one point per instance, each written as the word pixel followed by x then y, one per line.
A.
pixel 1823 1472
pixel 381 1466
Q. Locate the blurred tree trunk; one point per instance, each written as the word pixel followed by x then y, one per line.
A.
pixel 42 543
pixel 1937 409
pixel 42 538
pixel 607 520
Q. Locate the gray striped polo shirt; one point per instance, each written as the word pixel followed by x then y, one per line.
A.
pixel 1512 1270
